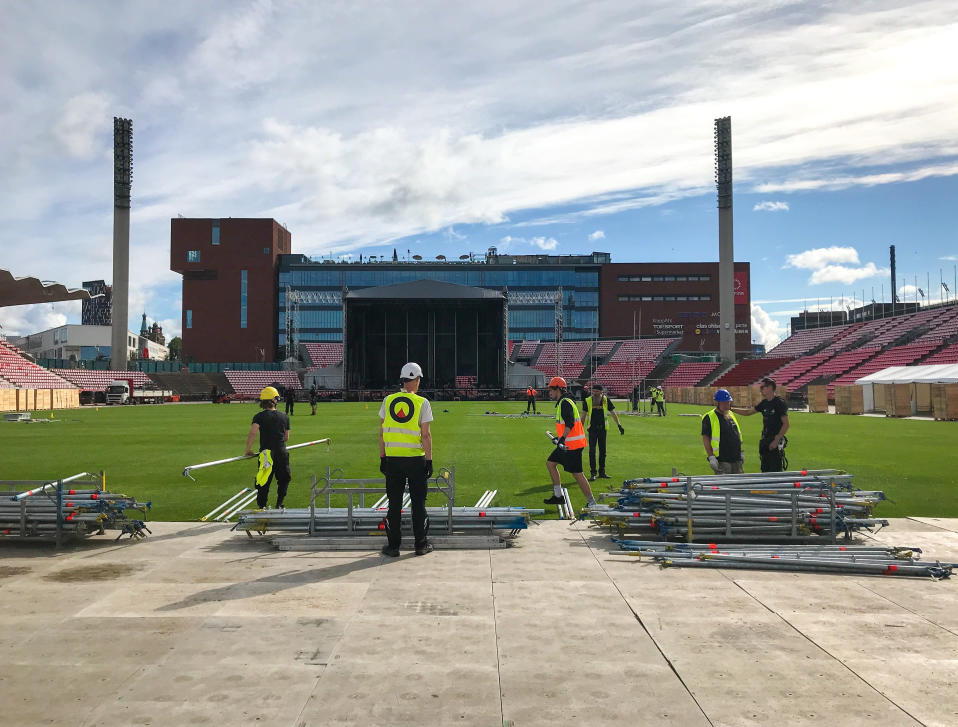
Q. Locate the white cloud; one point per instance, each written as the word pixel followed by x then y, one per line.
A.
pixel 771 207
pixel 171 328
pixel 949 258
pixel 766 329
pixel 844 274
pixel 819 257
pixel 907 292
pixel 23 320
pixel 833 265
pixel 597 235
pixel 544 243
pixel 80 122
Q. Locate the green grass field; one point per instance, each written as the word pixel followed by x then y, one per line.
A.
pixel 144 450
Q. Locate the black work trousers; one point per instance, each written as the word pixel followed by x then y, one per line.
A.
pixel 771 460
pixel 399 472
pixel 282 476
pixel 597 439
pixel 531 404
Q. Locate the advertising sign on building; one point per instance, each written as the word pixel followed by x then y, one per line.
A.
pixel 740 285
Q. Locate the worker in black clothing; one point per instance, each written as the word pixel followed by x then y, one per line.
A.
pixel 405 457
pixel 774 411
pixel 531 399
pixel 290 400
pixel 313 398
pixel 597 408
pixel 273 430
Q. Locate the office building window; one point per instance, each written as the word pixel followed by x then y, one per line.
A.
pixel 216 232
pixel 266 251
pixel 242 299
pixel 189 318
pixel 192 256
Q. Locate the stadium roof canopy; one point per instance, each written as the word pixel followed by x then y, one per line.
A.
pixel 23 291
pixel 424 290
pixel 928 374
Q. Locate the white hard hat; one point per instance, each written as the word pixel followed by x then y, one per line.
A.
pixel 411 371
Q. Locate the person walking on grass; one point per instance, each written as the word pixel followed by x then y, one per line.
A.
pixel 722 437
pixel 774 411
pixel 313 398
pixel 569 445
pixel 273 429
pixel 598 408
pixel 405 456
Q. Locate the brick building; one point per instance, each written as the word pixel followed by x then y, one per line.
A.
pixel 229 286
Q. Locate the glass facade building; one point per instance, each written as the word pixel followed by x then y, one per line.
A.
pixel 576 275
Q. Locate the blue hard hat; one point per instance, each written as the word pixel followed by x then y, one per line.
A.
pixel 723 395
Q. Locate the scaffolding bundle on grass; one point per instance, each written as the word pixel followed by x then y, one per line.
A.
pixel 323 526
pixel 67 508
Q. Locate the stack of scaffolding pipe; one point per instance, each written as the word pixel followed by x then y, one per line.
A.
pixel 79 512
pixel 839 559
pixel 361 521
pixel 758 505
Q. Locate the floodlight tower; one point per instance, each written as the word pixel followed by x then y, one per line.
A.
pixel 122 179
pixel 726 282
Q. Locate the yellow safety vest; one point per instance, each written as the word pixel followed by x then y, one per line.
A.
pixel 401 430
pixel 604 404
pixel 717 430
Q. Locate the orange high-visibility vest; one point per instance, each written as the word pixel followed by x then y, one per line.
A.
pixel 575 438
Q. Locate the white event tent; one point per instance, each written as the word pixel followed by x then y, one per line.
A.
pixel 936 374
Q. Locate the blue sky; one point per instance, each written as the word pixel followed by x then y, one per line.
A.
pixel 566 127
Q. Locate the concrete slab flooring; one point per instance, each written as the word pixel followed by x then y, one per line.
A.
pixel 197 625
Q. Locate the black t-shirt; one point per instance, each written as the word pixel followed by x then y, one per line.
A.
pixel 597 417
pixel 730 439
pixel 772 413
pixel 273 426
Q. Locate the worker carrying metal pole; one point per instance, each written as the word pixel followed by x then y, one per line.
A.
pixel 570 442
pixel 273 429
pixel 405 455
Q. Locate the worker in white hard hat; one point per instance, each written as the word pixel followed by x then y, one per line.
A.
pixel 273 429
pixel 405 456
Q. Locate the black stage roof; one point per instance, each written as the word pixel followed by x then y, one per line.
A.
pixel 424 290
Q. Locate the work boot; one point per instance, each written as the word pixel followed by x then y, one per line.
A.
pixel 592 477
pixel 424 548
pixel 390 551
pixel 555 500
pixel 604 476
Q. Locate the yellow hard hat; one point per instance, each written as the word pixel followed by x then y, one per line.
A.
pixel 268 393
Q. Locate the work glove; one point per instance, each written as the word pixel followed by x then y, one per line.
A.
pixel 428 468
pixel 382 465
pixel 560 442
pixel 621 430
pixel 713 463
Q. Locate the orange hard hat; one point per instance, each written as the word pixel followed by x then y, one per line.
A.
pixel 557 382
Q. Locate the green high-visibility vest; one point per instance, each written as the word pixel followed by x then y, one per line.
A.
pixel 401 429
pixel 604 405
pixel 717 430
